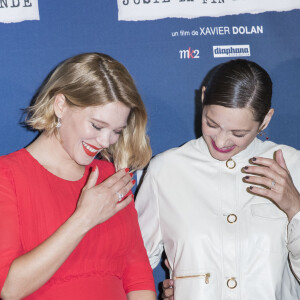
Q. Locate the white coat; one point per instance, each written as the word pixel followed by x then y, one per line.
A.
pixel 222 242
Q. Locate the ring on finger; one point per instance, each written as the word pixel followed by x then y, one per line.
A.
pixel 273 183
pixel 120 196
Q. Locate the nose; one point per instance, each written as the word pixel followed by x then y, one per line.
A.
pixel 221 139
pixel 103 139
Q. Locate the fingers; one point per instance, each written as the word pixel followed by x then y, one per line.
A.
pixel 272 172
pixel 261 180
pixel 92 178
pixel 271 179
pixel 167 263
pixel 168 291
pixel 124 203
pixel 124 191
pixel 280 159
pixel 118 184
pixel 122 187
pixel 100 202
pixel 262 165
pixel 119 181
pixel 119 175
pixel 168 283
pixel 271 194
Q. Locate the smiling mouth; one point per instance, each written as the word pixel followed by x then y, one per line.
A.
pixel 90 150
pixel 222 150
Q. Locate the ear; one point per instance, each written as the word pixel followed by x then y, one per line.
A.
pixel 267 119
pixel 59 105
pixel 202 94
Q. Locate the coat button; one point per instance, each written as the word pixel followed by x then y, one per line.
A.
pixel 232 218
pixel 230 163
pixel 231 283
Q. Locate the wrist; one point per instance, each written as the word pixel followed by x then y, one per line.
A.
pixel 80 222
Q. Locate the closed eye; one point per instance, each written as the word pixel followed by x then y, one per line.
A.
pixel 118 132
pixel 211 125
pixel 239 135
pixel 96 127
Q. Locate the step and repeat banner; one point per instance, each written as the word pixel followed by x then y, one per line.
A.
pixel 167 45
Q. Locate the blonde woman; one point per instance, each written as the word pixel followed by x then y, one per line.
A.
pixel 68 226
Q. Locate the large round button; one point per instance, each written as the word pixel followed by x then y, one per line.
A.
pixel 231 283
pixel 230 163
pixel 232 218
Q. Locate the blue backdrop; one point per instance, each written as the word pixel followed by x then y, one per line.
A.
pixel 151 52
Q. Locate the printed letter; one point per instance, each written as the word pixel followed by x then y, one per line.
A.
pixel 15 3
pixel 27 3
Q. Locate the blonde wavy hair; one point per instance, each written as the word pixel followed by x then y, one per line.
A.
pixel 93 79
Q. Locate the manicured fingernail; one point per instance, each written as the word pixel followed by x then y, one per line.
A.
pixel 246 168
pixel 133 181
pixel 253 158
pixel 127 170
pixel 131 174
pixel 251 187
pixel 94 168
pixel 247 177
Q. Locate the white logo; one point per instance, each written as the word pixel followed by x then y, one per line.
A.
pixel 189 53
pixel 231 50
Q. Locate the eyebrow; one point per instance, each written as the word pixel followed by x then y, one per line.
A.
pixel 232 130
pixel 106 124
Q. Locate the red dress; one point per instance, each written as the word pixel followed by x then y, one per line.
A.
pixel 109 262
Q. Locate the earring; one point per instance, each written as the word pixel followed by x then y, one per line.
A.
pixel 58 124
pixel 262 133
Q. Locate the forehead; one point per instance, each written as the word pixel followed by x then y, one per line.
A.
pixel 237 118
pixel 115 113
pixel 112 108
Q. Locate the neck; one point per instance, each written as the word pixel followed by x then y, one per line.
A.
pixel 49 152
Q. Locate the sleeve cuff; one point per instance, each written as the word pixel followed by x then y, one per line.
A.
pixel 293 244
pixel 143 286
pixel 294 236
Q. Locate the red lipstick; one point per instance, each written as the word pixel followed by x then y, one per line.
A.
pixel 89 149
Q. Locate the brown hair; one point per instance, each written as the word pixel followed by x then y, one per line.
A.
pixel 240 83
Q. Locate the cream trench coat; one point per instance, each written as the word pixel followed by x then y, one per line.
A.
pixel 221 241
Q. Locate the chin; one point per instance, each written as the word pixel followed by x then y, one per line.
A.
pixel 221 156
pixel 84 161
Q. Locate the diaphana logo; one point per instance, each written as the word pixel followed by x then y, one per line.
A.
pixel 231 50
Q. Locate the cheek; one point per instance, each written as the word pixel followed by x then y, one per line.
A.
pixel 208 130
pixel 113 139
pixel 244 142
pixel 85 131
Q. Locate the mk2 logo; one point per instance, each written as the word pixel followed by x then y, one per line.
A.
pixel 189 53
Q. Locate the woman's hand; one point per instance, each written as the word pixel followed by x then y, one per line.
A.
pixel 276 181
pixel 168 284
pixel 168 291
pixel 98 203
